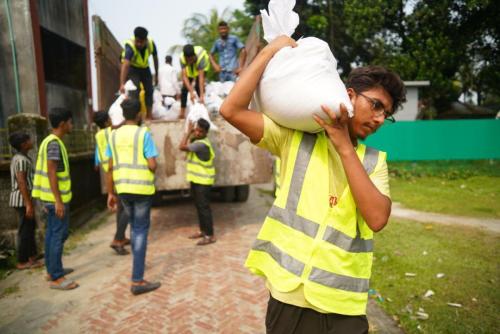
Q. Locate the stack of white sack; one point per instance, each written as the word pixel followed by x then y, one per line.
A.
pixel 161 110
pixel 196 112
pixel 222 89
pixel 213 103
pixel 115 112
pixel 297 81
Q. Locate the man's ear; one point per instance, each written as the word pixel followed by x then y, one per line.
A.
pixel 352 95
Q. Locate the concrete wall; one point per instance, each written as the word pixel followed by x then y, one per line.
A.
pixel 67 97
pixel 410 107
pixel 26 67
pixel 64 18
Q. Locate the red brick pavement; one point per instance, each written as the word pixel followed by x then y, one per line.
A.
pixel 204 289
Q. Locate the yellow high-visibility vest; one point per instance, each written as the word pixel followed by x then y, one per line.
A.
pixel 277 175
pixel 138 60
pixel 102 141
pixel 131 174
pixel 41 184
pixel 199 171
pixel 311 238
pixel 192 70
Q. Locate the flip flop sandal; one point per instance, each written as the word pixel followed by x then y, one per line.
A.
pixel 120 250
pixel 139 289
pixel 126 242
pixel 196 235
pixel 36 264
pixel 66 271
pixel 206 241
pixel 67 284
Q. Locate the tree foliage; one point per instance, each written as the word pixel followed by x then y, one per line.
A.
pixel 452 43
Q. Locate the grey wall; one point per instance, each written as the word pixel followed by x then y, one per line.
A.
pixel 64 17
pixel 409 111
pixel 73 99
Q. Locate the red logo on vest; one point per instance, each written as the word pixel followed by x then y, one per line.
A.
pixel 333 201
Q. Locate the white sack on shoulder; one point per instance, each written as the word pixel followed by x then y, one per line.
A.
pixel 115 112
pixel 297 81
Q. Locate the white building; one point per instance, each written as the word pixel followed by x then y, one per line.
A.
pixel 410 108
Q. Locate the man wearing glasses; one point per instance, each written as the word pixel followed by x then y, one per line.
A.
pixel 315 248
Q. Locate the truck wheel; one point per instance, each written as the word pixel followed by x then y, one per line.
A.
pixel 227 194
pixel 242 193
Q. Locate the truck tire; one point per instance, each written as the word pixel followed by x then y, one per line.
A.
pixel 242 193
pixel 227 194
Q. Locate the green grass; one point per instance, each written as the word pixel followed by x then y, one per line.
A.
pixel 467 188
pixel 10 290
pixel 467 257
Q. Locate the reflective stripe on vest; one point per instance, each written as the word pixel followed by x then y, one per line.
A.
pixel 347 294
pixel 192 70
pixel 199 171
pixel 102 141
pixel 131 173
pixel 41 182
pixel 137 59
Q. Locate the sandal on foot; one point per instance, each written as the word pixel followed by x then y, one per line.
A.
pixel 196 235
pixel 120 250
pixel 143 288
pixel 67 284
pixel 126 241
pixel 66 271
pixel 23 266
pixel 206 241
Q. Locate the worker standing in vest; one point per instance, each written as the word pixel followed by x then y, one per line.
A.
pixel 132 163
pixel 201 175
pixel 227 46
pixel 102 120
pixel 52 186
pixel 315 248
pixel 135 66
pixel 194 63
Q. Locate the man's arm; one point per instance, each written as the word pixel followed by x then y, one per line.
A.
pixel 202 86
pixel 242 60
pixel 110 186
pixel 183 146
pixel 214 63
pixel 22 182
pixel 54 187
pixel 124 74
pixel 373 205
pixel 235 107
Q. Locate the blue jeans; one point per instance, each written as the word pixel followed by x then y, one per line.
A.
pixel 55 236
pixel 227 76
pixel 138 209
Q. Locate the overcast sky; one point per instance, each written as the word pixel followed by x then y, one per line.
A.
pixel 162 18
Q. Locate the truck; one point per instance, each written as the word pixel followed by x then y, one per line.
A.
pixel 238 163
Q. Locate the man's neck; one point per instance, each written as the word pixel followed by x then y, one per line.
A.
pixel 58 132
pixel 127 122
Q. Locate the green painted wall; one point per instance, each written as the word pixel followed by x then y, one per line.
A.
pixel 439 140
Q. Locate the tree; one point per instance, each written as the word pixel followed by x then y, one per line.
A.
pixel 445 41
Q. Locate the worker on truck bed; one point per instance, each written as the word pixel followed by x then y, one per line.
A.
pixel 315 246
pixel 194 63
pixel 227 47
pixel 102 137
pixel 135 65
pixel 201 175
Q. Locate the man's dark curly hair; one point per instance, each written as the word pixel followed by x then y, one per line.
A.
pixel 365 78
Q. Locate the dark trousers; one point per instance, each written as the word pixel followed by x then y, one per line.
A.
pixel 184 91
pixel 121 222
pixel 26 241
pixel 201 195
pixel 283 318
pixel 138 75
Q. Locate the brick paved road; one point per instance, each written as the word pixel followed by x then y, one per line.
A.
pixel 204 289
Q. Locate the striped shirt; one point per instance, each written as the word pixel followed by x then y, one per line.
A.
pixel 20 163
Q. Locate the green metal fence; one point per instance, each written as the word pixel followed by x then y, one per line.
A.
pixel 439 140
pixel 80 141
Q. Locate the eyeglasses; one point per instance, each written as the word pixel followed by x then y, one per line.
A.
pixel 378 108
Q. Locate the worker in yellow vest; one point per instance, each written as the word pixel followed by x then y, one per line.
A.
pixel 315 248
pixel 102 137
pixel 200 174
pixel 135 66
pixel 132 164
pixel 52 186
pixel 194 63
